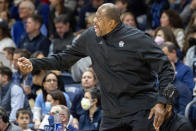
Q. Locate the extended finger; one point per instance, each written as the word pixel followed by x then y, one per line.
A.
pixel 155 120
pixel 160 121
pixel 151 114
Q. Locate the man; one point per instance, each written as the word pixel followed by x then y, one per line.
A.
pixel 26 9
pixel 48 121
pixel 5 125
pixel 64 35
pixel 183 72
pixel 86 10
pixel 22 78
pixel 34 41
pixel 12 95
pixel 123 59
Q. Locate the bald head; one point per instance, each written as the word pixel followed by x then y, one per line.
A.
pixel 111 11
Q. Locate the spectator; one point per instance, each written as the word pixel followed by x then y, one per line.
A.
pixel 38 76
pixel 57 9
pixel 87 9
pixel 156 7
pixel 4 15
pixel 190 41
pixel 172 20
pixel 34 40
pixel 122 5
pixel 89 20
pixel 53 98
pixel 183 73
pixel 88 80
pixel 12 95
pixel 163 34
pixel 187 12
pixel 129 19
pixel 9 53
pixel 26 9
pixel 64 35
pixel 91 118
pixel 19 77
pixel 5 40
pixel 49 83
pixel 5 125
pixel 65 117
pixel 23 117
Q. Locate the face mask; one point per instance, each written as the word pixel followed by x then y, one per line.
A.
pixel 159 40
pixel 85 103
pixel 47 106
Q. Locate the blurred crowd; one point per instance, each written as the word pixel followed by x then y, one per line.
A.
pixel 40 28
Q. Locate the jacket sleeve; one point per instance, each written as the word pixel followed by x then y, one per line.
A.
pixel 64 60
pixel 158 62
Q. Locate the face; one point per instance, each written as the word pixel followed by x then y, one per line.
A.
pixel 62 28
pixel 161 34
pixel 23 120
pixel 61 113
pixel 129 20
pixel 31 26
pixel 51 100
pixel 171 55
pixel 4 15
pixel 50 83
pixel 88 80
pixel 164 20
pixel 102 24
pixel 87 95
pixel 15 60
pixel 24 11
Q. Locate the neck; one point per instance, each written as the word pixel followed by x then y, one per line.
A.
pixel 92 111
pixel 175 60
pixel 33 34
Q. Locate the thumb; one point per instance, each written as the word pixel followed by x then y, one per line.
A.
pixel 151 114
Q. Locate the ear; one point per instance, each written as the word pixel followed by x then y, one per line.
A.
pixel 112 23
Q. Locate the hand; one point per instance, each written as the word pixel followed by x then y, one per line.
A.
pixel 75 123
pixel 37 124
pixel 159 115
pixel 25 65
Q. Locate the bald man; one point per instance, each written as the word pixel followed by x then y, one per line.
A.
pixel 124 60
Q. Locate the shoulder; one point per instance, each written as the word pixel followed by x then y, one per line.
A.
pixel 13 127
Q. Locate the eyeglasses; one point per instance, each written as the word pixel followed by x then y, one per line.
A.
pixel 51 80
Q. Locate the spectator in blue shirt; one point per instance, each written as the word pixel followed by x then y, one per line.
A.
pixel 50 83
pixel 91 118
pixel 88 80
pixel 34 41
pixel 26 9
pixel 12 95
pixel 183 73
pixel 21 78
